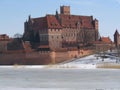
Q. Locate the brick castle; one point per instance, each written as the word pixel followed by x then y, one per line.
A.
pixel 53 39
pixel 62 30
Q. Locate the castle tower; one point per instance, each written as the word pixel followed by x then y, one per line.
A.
pixel 96 26
pixel 65 10
pixel 117 38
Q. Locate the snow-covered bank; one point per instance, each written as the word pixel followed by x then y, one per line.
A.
pixel 34 89
pixel 72 66
pixel 67 66
pixel 93 62
pixel 24 66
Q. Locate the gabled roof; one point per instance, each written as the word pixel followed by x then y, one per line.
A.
pixel 49 21
pixel 4 37
pixel 73 20
pixel 40 23
pixel 52 22
pixel 106 40
pixel 64 21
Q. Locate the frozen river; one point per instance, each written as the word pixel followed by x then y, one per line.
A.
pixel 58 79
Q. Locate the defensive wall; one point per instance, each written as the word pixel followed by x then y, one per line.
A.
pixel 41 57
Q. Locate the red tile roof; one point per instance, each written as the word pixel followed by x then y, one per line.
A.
pixel 52 22
pixel 39 23
pixel 66 21
pixel 4 37
pixel 106 40
pixel 48 21
pixel 73 20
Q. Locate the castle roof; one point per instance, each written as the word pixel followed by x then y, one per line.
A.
pixel 65 21
pixel 4 37
pixel 106 40
pixel 52 22
pixel 73 21
pixel 39 23
pixel 49 21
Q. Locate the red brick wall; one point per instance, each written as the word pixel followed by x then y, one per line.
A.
pixel 38 58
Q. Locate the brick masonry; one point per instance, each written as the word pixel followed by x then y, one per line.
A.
pixel 40 58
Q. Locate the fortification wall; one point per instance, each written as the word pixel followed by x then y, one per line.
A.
pixel 40 58
pixel 58 57
pixel 11 59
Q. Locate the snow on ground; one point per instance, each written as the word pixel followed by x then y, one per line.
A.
pixel 24 66
pixel 90 62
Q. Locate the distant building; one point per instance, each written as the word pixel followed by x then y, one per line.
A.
pixel 61 30
pixel 117 38
pixel 4 39
pixel 103 44
pixel 106 40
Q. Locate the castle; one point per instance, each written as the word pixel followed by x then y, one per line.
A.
pixel 53 39
pixel 62 30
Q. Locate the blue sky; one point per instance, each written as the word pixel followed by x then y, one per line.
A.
pixel 13 13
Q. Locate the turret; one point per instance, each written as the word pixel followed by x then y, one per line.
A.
pixel 26 26
pixel 96 24
pixel 117 38
pixel 96 27
pixel 29 18
pixel 57 15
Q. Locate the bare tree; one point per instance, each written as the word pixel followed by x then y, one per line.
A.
pixel 17 35
pixel 101 50
pixel 118 55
